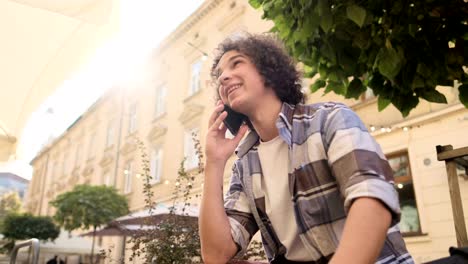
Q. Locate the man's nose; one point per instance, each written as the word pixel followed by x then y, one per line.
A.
pixel 224 77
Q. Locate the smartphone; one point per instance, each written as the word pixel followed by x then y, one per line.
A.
pixel 233 120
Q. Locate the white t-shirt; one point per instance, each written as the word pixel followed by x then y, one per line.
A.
pixel 279 207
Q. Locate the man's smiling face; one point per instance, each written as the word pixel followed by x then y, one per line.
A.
pixel 240 83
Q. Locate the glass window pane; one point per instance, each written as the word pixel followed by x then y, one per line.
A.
pixel 399 165
pixel 160 105
pixel 195 77
pixel 409 222
pixel 190 152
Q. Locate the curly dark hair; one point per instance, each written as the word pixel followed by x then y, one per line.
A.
pixel 269 56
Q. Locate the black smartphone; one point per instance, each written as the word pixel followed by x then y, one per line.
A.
pixel 233 120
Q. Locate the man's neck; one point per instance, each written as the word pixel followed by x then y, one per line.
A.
pixel 264 118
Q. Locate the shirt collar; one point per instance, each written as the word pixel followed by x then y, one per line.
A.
pixel 284 125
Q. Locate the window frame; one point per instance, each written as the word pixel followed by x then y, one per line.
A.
pixel 195 76
pixel 132 118
pixel 156 165
pixel 190 152
pixel 110 134
pixel 160 102
pixel 408 178
pixel 128 173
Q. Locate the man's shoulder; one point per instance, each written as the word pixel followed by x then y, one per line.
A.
pixel 312 113
pixel 321 106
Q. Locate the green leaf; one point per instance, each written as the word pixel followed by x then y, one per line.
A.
pixel 463 94
pixel 418 82
pixel 356 14
pixel 309 72
pixel 323 71
pixel 328 52
pixel 405 102
pixel 389 62
pixel 336 87
pixel 317 85
pixel 255 3
pixel 433 96
pixel 326 18
pixel 311 22
pixel 423 70
pixel 361 39
pixel 355 88
pixel 382 103
pixel 326 22
pixel 323 7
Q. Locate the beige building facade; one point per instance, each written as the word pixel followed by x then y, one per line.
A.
pixel 173 97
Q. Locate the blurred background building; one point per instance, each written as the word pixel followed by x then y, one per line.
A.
pixel 10 182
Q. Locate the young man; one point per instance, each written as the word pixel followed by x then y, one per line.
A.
pixel 310 178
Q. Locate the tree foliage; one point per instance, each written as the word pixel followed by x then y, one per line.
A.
pixel 9 203
pixel 26 226
pixel 175 239
pixel 89 206
pixel 400 49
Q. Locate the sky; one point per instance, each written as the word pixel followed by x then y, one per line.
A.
pixel 144 23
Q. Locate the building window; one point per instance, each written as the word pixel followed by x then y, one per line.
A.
pixel 190 153
pixel 156 165
pixel 128 173
pixel 409 224
pixel 195 77
pixel 132 120
pixel 110 134
pixel 160 102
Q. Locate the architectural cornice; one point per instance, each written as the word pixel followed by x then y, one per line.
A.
pixel 88 170
pixel 200 13
pixel 107 159
pixel 235 13
pixel 427 117
pixel 156 132
pixel 190 112
pixel 129 146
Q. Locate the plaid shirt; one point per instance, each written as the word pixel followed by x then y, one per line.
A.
pixel 332 161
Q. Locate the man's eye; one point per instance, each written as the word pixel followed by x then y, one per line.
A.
pixel 236 62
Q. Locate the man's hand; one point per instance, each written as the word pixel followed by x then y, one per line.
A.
pixel 217 244
pixel 218 148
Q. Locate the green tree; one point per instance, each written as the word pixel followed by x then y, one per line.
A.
pixel 89 207
pixel 174 239
pixel 400 49
pixel 9 203
pixel 26 226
